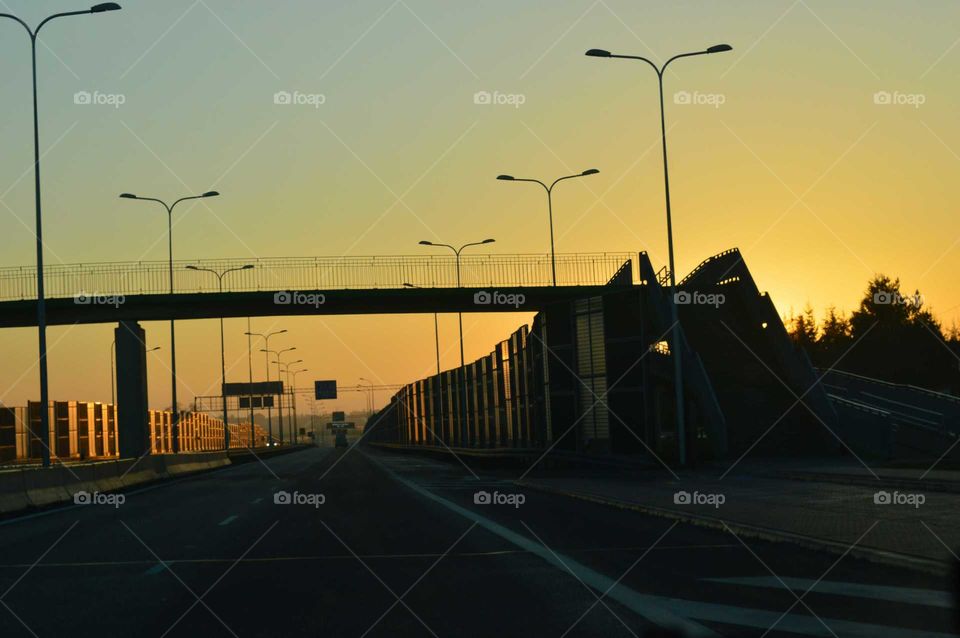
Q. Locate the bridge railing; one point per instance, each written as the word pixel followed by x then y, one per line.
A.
pixel 310 273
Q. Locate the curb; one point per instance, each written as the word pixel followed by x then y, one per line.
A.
pixel 763 533
pixel 855 479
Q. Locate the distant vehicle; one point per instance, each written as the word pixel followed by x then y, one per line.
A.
pixel 341 440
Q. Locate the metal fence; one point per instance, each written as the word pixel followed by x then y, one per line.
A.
pixel 309 273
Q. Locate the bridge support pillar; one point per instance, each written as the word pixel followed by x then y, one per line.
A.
pixel 132 416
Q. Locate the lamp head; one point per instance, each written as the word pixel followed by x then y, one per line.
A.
pixel 128 196
pixel 104 6
pixel 590 171
pixel 426 243
pixel 719 48
pixel 598 53
pixel 211 194
pixel 247 267
pixel 488 241
pixel 506 178
pixel 191 268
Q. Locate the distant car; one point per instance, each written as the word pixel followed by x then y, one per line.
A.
pixel 340 440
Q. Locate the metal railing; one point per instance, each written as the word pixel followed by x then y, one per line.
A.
pixel 311 273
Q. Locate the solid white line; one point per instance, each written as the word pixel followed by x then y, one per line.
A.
pixel 908 595
pixel 255 501
pixel 228 520
pixel 645 606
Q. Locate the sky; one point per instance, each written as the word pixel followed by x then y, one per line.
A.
pixel 825 147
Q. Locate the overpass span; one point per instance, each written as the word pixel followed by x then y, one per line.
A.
pixel 139 291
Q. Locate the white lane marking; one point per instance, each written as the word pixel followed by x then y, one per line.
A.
pixel 228 520
pixel 647 606
pixel 256 500
pixel 909 595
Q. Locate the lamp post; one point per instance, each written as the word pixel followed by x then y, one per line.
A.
pixel 368 394
pixel 296 423
pixel 113 374
pixel 277 354
pixel 286 373
pixel 436 338
pixel 677 338
pixel 436 329
pixel 175 426
pixel 38 230
pixel 463 371
pixel 266 361
pixel 223 365
pixel 549 189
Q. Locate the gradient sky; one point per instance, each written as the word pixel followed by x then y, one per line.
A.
pixel 799 167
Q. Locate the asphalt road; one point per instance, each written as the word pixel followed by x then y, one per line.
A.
pixel 396 546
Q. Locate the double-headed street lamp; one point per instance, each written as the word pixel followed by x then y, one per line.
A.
pixel 277 354
pixel 38 231
pixel 676 345
pixel 175 426
pixel 285 369
pixel 296 424
pixel 549 189
pixel 223 366
pixel 436 329
pixel 266 360
pixel 463 375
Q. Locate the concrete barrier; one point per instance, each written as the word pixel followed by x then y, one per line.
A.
pixel 39 487
pixel 132 472
pixel 47 486
pixel 179 464
pixel 13 494
pixel 80 478
pixel 107 476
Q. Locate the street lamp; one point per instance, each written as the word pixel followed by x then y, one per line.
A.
pixel 38 231
pixel 277 354
pixel 436 329
pixel 676 345
pixel 296 424
pixel 436 338
pixel 369 394
pixel 549 189
pixel 463 375
pixel 286 371
pixel 223 366
pixel 266 361
pixel 113 373
pixel 175 425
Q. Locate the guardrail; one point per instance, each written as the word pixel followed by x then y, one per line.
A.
pixel 310 273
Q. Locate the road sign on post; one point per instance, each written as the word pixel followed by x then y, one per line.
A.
pixel 325 390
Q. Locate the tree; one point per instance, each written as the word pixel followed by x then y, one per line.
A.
pixel 835 339
pixel 803 330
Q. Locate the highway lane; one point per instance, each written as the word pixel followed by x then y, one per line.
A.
pixel 398 547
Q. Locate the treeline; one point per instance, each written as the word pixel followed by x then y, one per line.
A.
pixel 890 336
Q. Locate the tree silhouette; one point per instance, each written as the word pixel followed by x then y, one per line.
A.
pixel 890 336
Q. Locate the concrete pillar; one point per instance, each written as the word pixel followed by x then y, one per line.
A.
pixel 133 425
